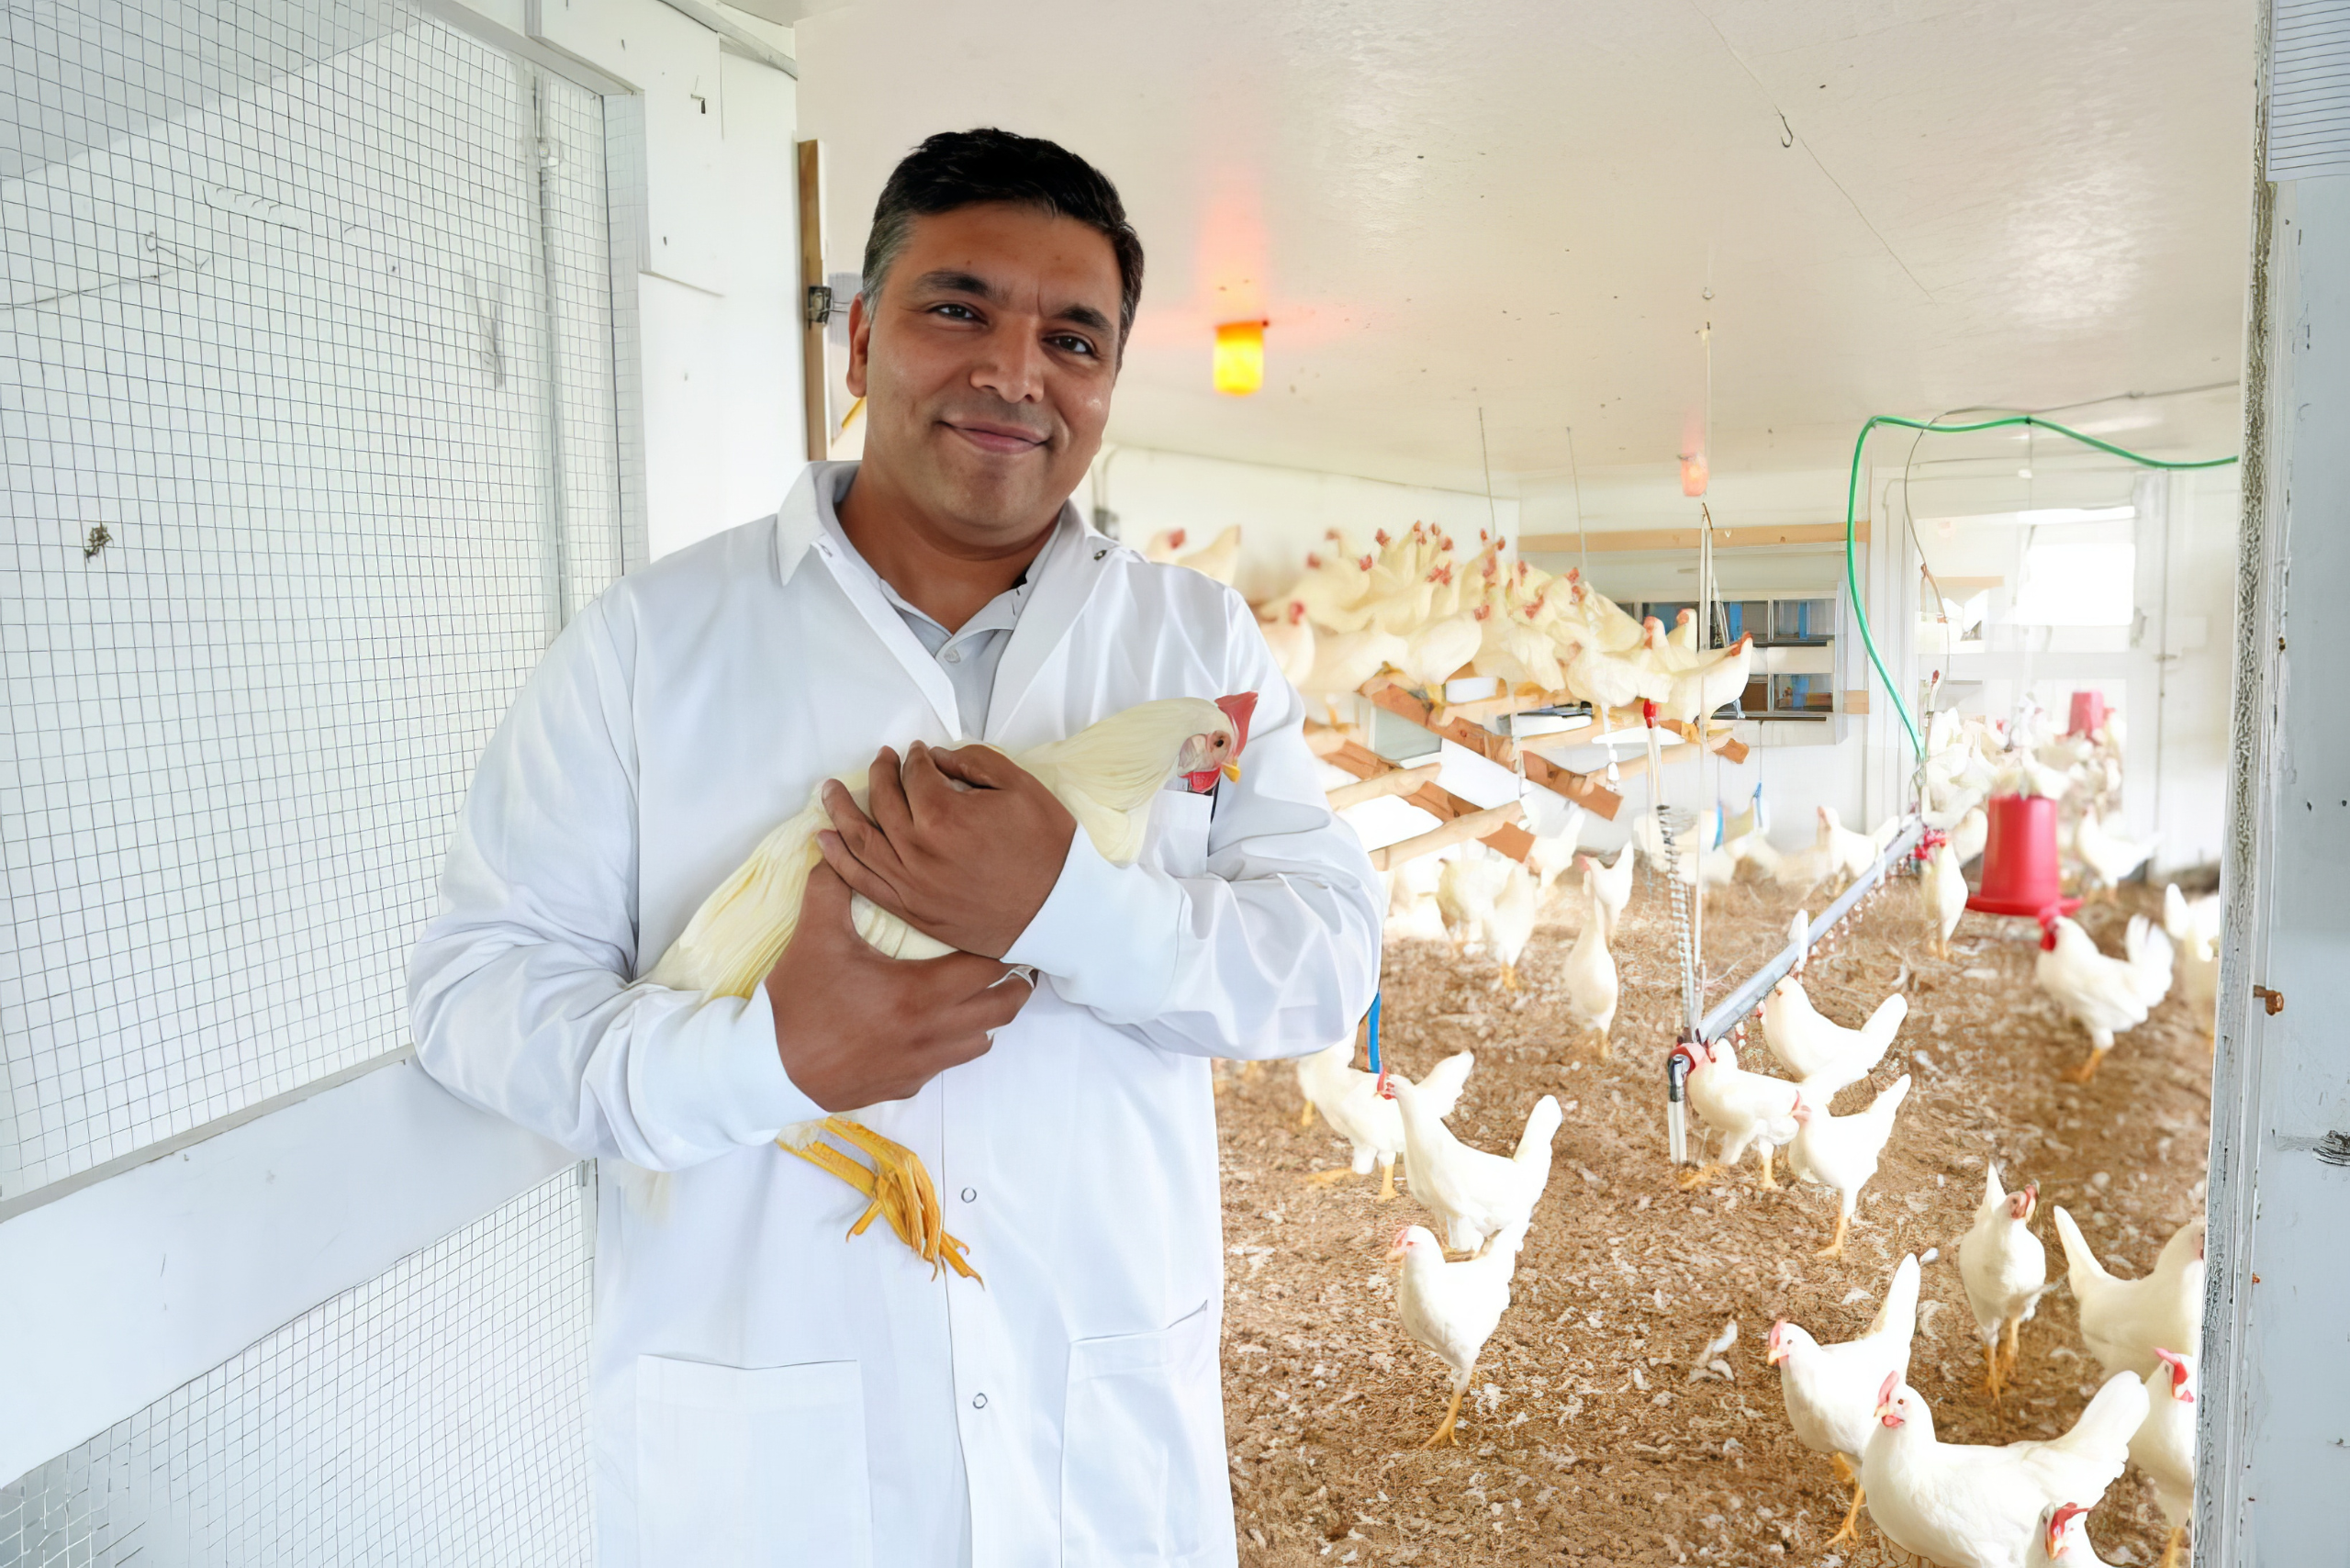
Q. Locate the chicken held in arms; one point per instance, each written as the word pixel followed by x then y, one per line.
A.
pixel 1452 1309
pixel 1106 775
pixel 1970 1506
pixel 1831 1389
pixel 2004 1270
pixel 2128 1323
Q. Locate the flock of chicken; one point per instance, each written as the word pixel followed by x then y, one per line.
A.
pixel 1410 612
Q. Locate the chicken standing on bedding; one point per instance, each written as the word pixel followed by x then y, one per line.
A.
pixel 1843 1151
pixel 2125 1323
pixel 1823 1054
pixel 1970 1506
pixel 2195 927
pixel 2107 996
pixel 1831 1391
pixel 1943 892
pixel 2164 1445
pixel 1490 903
pixel 1350 1102
pixel 1609 886
pixel 1744 1107
pixel 1107 775
pixel 1590 983
pixel 2107 857
pixel 1452 1309
pixel 2004 1270
pixel 1471 1193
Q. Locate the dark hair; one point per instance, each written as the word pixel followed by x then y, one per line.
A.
pixel 964 168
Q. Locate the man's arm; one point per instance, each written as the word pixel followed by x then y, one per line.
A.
pixel 518 989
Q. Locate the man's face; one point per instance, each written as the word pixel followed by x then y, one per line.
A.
pixel 986 366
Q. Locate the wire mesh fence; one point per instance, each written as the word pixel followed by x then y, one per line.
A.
pixel 307 446
pixel 436 1415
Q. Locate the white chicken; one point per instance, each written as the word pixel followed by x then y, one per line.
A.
pixel 1744 1107
pixel 2164 1446
pixel 1290 637
pixel 1349 1101
pixel 2062 1539
pixel 1344 660
pixel 2004 1270
pixel 1590 983
pixel 2109 857
pixel 1452 1309
pixel 1411 899
pixel 1970 834
pixel 1831 1391
pixel 1843 1151
pixel 1108 775
pixel 1491 902
pixel 2107 996
pixel 1218 558
pixel 1943 891
pixel 1552 855
pixel 1471 1193
pixel 1609 886
pixel 1823 1054
pixel 2195 929
pixel 1968 1506
pixel 2125 1322
pixel 1849 854
pixel 2183 916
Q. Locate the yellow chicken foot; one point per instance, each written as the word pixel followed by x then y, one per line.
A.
pixel 1451 1417
pixel 1387 1183
pixel 1769 1183
pixel 1850 1530
pixel 899 1190
pixel 2170 1547
pixel 2088 1068
pixel 1836 1249
pixel 1991 1384
pixel 1306 1116
pixel 1509 977
pixel 1703 1174
pixel 1330 1178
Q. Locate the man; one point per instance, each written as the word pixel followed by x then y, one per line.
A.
pixel 766 1390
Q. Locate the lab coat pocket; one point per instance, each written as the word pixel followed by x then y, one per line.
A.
pixel 748 1467
pixel 1141 1450
pixel 1179 832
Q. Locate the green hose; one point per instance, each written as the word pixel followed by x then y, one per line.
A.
pixel 1851 498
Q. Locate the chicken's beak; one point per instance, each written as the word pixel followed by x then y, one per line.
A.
pixel 1232 771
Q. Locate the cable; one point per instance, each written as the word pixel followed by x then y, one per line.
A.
pixel 1852 503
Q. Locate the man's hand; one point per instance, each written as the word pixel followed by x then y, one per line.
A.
pixel 970 867
pixel 855 1028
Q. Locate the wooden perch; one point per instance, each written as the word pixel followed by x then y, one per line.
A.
pixel 1438 802
pixel 1324 739
pixel 1581 788
pixel 1399 781
pixel 1485 823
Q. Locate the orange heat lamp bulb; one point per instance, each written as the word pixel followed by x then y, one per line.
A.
pixel 1240 357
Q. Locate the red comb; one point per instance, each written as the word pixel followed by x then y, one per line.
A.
pixel 1239 707
pixel 1892 1381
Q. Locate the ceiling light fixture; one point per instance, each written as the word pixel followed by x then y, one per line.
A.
pixel 1240 357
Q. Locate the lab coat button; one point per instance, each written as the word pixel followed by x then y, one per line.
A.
pixel 954 655
pixel 970 1194
pixel 979 1401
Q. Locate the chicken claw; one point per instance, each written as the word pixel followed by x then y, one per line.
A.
pixel 1769 1183
pixel 1702 1175
pixel 2088 1070
pixel 1387 1183
pixel 899 1188
pixel 1444 1434
pixel 1836 1249
pixel 1331 1177
pixel 1306 1116
pixel 1849 1530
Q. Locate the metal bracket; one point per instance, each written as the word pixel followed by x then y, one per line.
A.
pixel 819 304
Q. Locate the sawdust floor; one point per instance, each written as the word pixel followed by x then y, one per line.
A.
pixel 1584 1439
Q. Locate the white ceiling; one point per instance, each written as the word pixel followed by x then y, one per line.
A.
pixel 1520 205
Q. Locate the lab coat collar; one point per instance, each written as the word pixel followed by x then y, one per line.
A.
pixel 1071 563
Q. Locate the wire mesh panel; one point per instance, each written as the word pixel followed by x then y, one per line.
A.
pixel 436 1414
pixel 307 446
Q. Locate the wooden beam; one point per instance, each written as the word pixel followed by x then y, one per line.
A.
pixel 813 382
pixel 1400 781
pixel 1439 803
pixel 1752 537
pixel 1489 824
pixel 1580 787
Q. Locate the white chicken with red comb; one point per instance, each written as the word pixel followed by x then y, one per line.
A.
pixel 1831 1389
pixel 2004 1270
pixel 2062 1540
pixel 2164 1445
pixel 2127 1323
pixel 1744 1107
pixel 1971 1505
pixel 2105 996
pixel 1452 1309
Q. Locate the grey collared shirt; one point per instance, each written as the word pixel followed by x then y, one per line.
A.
pixel 971 655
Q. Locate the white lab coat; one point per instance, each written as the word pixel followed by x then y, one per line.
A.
pixel 765 1390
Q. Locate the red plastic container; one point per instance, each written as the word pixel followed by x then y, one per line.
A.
pixel 2021 874
pixel 2089 713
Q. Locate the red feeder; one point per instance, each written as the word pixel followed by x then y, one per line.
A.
pixel 2020 875
pixel 2089 713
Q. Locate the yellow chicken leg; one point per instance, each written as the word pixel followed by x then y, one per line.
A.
pixel 1770 1184
pixel 1703 1174
pixel 1849 1530
pixel 2007 1361
pixel 2170 1547
pixel 1836 1249
pixel 1306 1116
pixel 1387 1182
pixel 1452 1417
pixel 1991 1384
pixel 1509 977
pixel 898 1187
pixel 1330 1177
pixel 2088 1070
